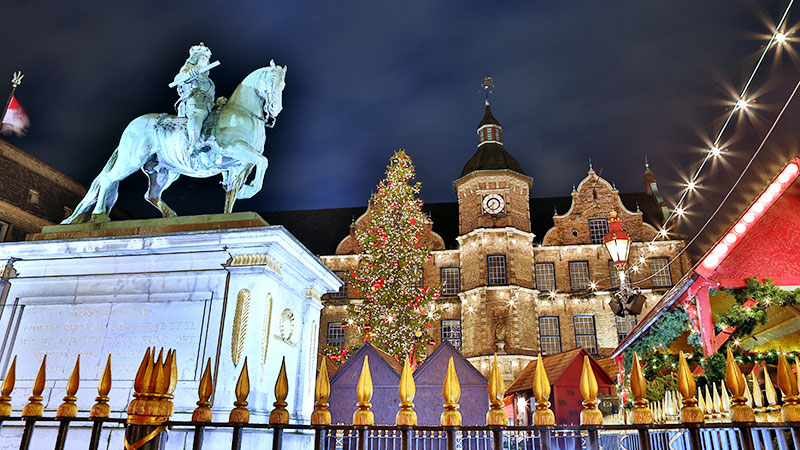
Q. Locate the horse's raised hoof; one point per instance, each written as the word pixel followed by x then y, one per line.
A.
pixel 98 218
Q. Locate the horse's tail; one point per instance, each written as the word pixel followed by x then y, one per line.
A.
pixel 83 210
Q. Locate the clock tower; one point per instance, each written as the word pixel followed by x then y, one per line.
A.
pixel 495 251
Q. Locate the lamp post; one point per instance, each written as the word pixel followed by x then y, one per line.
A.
pixel 629 300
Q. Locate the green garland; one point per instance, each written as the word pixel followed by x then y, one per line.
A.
pixel 745 320
pixel 666 331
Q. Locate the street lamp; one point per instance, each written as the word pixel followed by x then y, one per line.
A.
pixel 618 243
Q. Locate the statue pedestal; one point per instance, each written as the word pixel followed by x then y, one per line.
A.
pixel 225 287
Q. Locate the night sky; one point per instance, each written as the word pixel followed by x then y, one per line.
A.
pixel 608 80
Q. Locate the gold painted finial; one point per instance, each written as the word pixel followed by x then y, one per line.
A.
pixel 34 408
pixel 496 415
pixel 740 411
pixel 642 415
pixel 541 390
pixel 153 388
pixel 772 409
pixel 363 416
pixel 69 408
pixel 487 85
pixel 451 391
pixel 787 381
pixel 101 407
pixel 690 413
pixel 717 402
pixel 240 414
pixel 321 415
pixel 590 415
pixel 203 411
pixel 758 400
pixel 280 415
pixel 5 390
pixel 407 390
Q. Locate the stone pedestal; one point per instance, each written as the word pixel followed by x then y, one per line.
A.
pixel 224 287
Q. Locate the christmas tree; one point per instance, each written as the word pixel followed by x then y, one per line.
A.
pixel 397 309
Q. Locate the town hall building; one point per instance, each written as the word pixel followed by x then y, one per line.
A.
pixel 519 275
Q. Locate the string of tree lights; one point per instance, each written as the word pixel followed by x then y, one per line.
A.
pixel 397 308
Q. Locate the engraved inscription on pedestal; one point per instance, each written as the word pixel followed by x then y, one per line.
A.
pixel 96 329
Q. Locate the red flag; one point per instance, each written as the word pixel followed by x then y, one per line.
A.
pixel 16 120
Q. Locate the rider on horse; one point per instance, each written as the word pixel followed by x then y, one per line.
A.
pixel 196 92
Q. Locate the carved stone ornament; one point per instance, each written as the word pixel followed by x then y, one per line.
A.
pixel 287 325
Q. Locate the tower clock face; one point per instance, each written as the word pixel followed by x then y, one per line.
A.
pixel 493 204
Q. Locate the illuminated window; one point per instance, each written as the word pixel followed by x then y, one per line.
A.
pixel 614 274
pixel 579 275
pixel 335 336
pixel 342 290
pixel 549 335
pixel 598 228
pixel 497 270
pixel 585 333
pixel 545 276
pixel 659 268
pixel 624 326
pixel 451 332
pixel 451 281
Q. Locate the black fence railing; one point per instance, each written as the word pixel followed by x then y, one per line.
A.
pixel 107 433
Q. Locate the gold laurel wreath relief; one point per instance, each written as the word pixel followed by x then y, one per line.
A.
pixel 265 335
pixel 239 332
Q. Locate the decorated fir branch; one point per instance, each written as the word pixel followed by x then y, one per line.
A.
pixel 397 310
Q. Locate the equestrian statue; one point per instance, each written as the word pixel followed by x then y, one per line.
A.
pixel 207 137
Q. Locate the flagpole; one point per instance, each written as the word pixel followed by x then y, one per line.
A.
pixel 16 80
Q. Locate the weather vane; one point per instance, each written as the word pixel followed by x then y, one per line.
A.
pixel 488 84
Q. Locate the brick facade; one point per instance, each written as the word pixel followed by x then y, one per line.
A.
pixel 504 318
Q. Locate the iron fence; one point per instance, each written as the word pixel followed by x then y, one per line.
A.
pixel 713 436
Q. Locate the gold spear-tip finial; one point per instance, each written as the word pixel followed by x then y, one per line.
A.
pixel 787 381
pixel 451 391
pixel 204 390
pixel 5 390
pixel 364 416
pixel 690 413
pixel 496 414
pixel 34 408
pixel 407 390
pixel 69 408
pixel 642 415
pixel 280 415
pixel 541 391
pixel 737 384
pixel 240 414
pixel 590 415
pixel 321 415
pixel 772 408
pixel 101 407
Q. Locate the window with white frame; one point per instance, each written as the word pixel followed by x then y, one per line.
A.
pixel 451 332
pixel 335 336
pixel 497 270
pixel 549 335
pixel 579 275
pixel 585 334
pixel 545 276
pixel 613 274
pixel 451 281
pixel 624 326
pixel 659 268
pixel 598 228
pixel 342 293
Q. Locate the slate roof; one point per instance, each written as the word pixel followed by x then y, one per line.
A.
pixel 321 230
pixel 488 117
pixel 491 156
